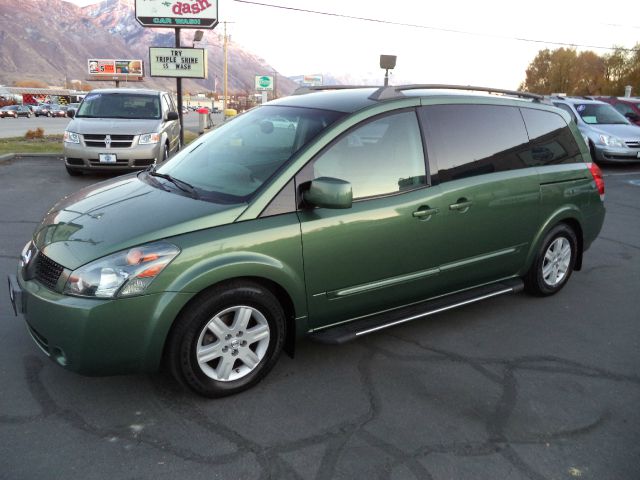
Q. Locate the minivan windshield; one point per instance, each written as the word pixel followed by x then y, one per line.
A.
pixel 233 161
pixel 120 105
pixel 600 114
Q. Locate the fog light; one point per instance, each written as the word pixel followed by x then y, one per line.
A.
pixel 58 355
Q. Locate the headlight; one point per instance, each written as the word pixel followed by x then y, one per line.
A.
pixel 122 274
pixel 27 254
pixel 149 138
pixel 70 137
pixel 612 141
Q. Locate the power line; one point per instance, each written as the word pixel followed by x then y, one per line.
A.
pixel 427 27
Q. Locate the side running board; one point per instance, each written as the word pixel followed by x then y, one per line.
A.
pixel 350 331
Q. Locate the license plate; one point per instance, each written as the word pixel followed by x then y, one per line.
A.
pixel 107 158
pixel 638 155
pixel 15 295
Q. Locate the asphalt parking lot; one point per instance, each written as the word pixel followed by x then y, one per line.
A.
pixel 513 388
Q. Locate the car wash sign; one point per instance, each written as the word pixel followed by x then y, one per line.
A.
pixel 173 13
pixel 178 62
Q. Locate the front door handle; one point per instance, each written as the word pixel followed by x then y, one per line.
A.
pixel 425 212
pixel 462 205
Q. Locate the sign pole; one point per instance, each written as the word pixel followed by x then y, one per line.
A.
pixel 179 93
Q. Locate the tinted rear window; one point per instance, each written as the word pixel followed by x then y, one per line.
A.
pixel 551 139
pixel 469 140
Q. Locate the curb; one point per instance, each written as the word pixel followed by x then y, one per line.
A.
pixel 11 156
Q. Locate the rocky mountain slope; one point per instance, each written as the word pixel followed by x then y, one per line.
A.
pixel 51 41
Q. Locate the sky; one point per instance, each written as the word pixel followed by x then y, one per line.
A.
pixel 488 54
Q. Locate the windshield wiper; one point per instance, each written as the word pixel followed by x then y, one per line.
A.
pixel 181 184
pixel 154 181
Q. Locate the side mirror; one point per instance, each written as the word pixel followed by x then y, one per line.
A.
pixel 329 193
pixel 71 113
pixel 172 116
pixel 634 117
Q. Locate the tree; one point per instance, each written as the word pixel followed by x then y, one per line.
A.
pixel 564 70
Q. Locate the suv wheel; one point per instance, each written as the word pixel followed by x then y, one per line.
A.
pixel 165 153
pixel 554 262
pixel 227 340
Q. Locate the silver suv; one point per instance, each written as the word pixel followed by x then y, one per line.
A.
pixel 121 129
pixel 610 136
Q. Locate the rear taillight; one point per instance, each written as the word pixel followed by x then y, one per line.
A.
pixel 597 177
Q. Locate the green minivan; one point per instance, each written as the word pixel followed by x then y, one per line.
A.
pixel 332 213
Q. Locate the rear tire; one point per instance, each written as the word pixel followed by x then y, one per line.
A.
pixel 554 262
pixel 227 340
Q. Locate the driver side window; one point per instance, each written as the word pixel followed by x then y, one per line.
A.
pixel 380 157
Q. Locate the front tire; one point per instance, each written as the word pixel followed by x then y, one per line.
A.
pixel 165 153
pixel 227 340
pixel 554 262
pixel 73 172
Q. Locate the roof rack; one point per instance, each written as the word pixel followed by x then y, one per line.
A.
pixel 384 93
pixel 305 90
pixel 395 91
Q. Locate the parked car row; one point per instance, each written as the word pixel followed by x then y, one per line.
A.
pixel 609 133
pixel 15 111
pixel 41 110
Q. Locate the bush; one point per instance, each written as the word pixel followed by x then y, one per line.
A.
pixel 37 133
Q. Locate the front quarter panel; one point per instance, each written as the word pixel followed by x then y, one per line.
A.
pixel 266 248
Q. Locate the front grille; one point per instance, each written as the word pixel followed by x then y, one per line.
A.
pixel 117 141
pixel 635 144
pixel 47 271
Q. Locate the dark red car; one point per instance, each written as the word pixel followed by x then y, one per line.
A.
pixel 629 107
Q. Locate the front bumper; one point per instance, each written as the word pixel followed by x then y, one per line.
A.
pixel 82 157
pixel 97 336
pixel 612 154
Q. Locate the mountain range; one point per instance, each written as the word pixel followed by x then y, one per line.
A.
pixel 52 40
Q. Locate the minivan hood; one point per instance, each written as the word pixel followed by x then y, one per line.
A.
pixel 625 132
pixel 113 126
pixel 121 213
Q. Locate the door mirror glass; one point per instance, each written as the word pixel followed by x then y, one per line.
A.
pixel 329 193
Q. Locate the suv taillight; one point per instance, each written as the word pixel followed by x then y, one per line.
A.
pixel 597 177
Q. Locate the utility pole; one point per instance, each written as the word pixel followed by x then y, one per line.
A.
pixel 275 84
pixel 226 68
pixel 224 81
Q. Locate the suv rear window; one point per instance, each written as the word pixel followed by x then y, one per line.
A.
pixel 120 105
